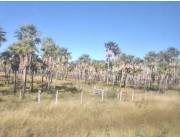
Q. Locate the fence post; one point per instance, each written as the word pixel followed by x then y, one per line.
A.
pixel 120 95
pixel 81 97
pixel 102 95
pixel 133 95
pixel 57 93
pixel 39 96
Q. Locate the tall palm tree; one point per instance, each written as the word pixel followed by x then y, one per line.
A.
pixel 112 51
pixel 28 38
pixel 49 49
pixel 15 51
pixel 15 60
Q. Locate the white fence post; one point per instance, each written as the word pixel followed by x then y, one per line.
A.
pixel 39 96
pixel 81 97
pixel 120 96
pixel 57 93
pixel 133 95
pixel 102 95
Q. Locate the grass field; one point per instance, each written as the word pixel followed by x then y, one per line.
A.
pixel 149 115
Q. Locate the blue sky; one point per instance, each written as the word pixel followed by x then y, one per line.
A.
pixel 84 27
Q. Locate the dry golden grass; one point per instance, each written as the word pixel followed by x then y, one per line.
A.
pixel 155 117
pixel 150 115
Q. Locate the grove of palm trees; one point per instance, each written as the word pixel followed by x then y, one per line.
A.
pixel 44 93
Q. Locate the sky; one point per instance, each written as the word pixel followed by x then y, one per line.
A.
pixel 84 27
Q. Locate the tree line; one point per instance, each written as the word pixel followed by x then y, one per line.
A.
pixel 32 55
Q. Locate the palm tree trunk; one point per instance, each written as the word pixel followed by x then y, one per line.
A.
pixel 9 76
pixel 145 82
pixel 5 74
pixel 126 81
pixel 121 79
pixel 166 84
pixel 49 80
pixel 42 80
pixel 24 81
pixel 32 80
pixel 108 74
pixel 15 76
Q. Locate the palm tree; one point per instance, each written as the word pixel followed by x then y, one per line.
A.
pixel 126 68
pixel 35 64
pixel 84 62
pixel 28 39
pixel 16 53
pixel 99 67
pixel 49 49
pixel 112 51
pixel 62 59
pixel 15 60
pixel 162 69
pixel 5 56
pixel 2 39
pixel 137 69
pixel 151 59
pixel 2 36
pixel 172 54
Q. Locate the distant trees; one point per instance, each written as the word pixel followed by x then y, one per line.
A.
pixel 3 39
pixel 83 66
pixel 55 60
pixel 157 69
pixel 25 58
pixel 62 61
pixel 167 67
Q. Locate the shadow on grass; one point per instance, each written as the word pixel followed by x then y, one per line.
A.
pixel 65 88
